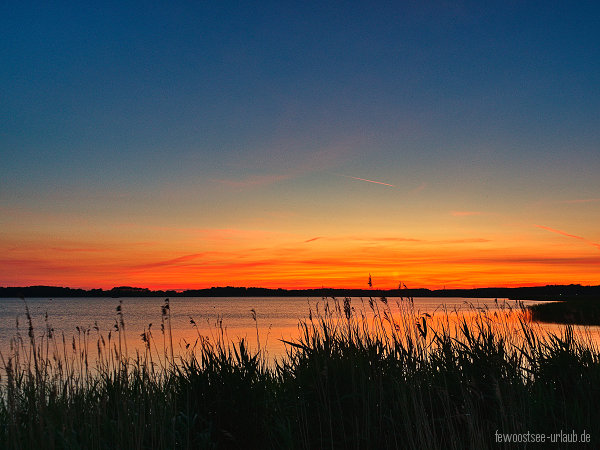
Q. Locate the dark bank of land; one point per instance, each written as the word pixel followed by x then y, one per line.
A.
pixel 550 292
pixel 581 312
pixel 572 303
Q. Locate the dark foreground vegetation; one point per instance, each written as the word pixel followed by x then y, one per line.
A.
pixel 378 376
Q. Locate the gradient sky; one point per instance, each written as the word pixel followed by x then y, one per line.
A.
pixel 299 144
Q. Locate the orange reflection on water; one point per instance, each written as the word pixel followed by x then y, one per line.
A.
pixel 264 323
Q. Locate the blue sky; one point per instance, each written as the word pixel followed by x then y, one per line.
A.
pixel 218 116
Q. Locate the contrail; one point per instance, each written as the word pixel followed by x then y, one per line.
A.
pixel 563 233
pixel 582 200
pixel 364 179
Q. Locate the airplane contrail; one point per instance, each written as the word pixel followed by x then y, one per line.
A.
pixel 364 179
pixel 563 233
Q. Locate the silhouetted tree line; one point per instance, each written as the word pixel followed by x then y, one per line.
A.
pixel 550 292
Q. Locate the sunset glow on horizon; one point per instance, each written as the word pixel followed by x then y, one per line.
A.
pixel 171 258
pixel 285 145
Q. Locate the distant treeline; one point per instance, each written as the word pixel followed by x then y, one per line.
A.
pixel 552 292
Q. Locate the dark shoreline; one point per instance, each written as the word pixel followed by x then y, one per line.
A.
pixel 574 312
pixel 547 293
pixel 570 304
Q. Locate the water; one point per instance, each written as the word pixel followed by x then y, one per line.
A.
pixel 276 317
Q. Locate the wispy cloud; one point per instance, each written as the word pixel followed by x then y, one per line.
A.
pixel 229 234
pixel 564 233
pixel 77 250
pixel 397 239
pixel 463 241
pixel 351 238
pixel 580 200
pixel 389 239
pixel 212 234
pixel 171 262
pixel 252 181
pixel 572 201
pixel 585 261
pixel 313 239
pixel 364 179
pixel 466 213
pixel 419 188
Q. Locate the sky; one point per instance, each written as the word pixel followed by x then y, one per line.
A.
pixel 176 145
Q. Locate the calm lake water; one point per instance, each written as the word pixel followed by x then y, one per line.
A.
pixel 276 317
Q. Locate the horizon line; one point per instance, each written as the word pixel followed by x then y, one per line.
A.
pixel 404 288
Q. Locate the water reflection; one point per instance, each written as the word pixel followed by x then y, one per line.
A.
pixel 141 325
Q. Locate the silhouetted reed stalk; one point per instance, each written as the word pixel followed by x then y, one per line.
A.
pixel 360 374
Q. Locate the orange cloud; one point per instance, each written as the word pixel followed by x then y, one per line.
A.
pixel 395 239
pixel 389 239
pixel 463 241
pixel 582 200
pixel 174 261
pixel 344 266
pixel 351 238
pixel 77 250
pixel 466 213
pixel 313 239
pixel 205 257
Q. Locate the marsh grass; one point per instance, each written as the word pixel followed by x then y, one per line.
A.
pixel 366 375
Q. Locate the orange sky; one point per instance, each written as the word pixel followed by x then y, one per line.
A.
pixel 472 250
pixel 198 144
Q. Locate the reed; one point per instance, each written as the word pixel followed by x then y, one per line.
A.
pixel 367 374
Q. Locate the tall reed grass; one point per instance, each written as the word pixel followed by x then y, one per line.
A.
pixel 368 375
